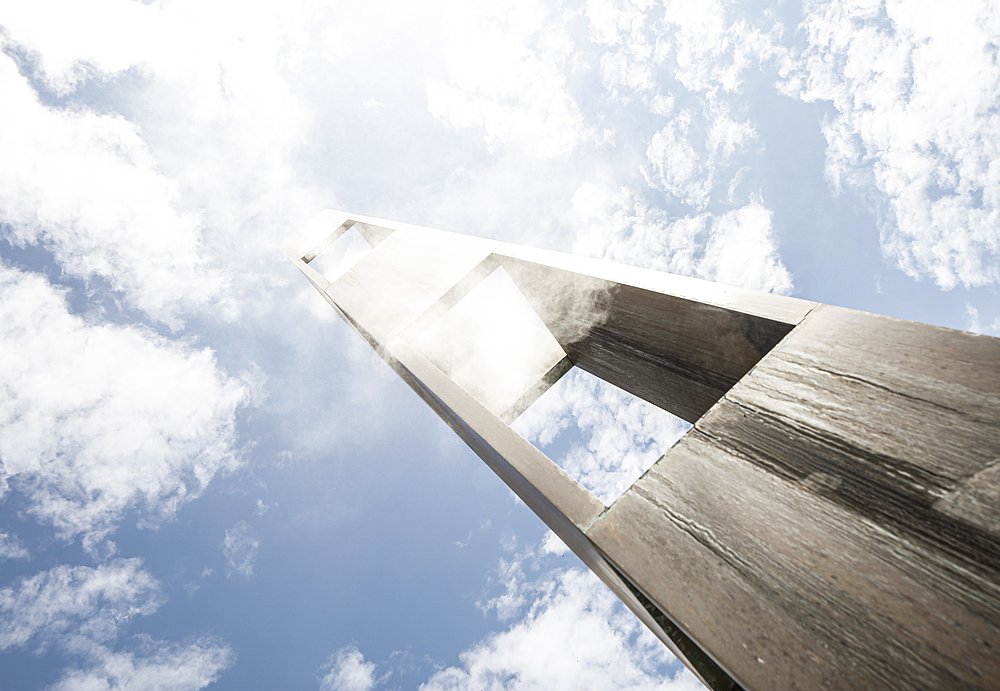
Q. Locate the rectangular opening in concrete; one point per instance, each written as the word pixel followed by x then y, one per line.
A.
pixel 601 435
pixel 338 257
pixel 680 354
pixel 493 345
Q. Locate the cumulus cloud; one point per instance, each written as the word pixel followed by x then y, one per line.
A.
pixel 84 43
pixel 240 546
pixel 916 128
pixel 563 630
pixel 977 324
pixel 620 435
pixel 677 168
pixel 11 547
pixel 99 419
pixel 625 30
pixel 347 670
pixel 184 197
pixel 72 604
pixel 709 48
pixel 511 574
pixel 741 250
pixel 157 665
pixel 572 634
pixel 736 247
pixel 612 222
pixel 701 44
pixel 80 609
pixel 688 159
pixel 87 187
pixel 508 77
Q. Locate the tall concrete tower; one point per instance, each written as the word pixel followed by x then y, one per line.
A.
pixel 832 519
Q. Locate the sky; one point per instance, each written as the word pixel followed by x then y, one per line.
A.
pixel 207 480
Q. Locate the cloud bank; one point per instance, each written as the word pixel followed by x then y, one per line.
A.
pixel 915 127
pixel 96 420
pixel 81 609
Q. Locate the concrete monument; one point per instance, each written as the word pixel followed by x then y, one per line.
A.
pixel 832 520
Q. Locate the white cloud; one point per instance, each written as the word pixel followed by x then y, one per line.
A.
pixel 189 196
pixel 158 665
pixel 627 30
pixel 87 187
pixel 347 670
pixel 710 49
pixel 613 223
pixel 84 43
pixel 573 634
pixel 741 251
pixel 240 546
pixel 481 527
pixel 677 168
pixel 737 247
pixel 11 547
pixel 977 324
pixel 511 575
pixel 507 65
pixel 620 435
pixel 81 608
pixel 699 43
pixel 916 127
pixel 99 419
pixel 685 62
pixel 71 604
pixel 688 156
pixel 552 544
pixel 617 23
pixel 564 631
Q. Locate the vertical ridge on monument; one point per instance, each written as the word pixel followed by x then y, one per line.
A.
pixel 832 519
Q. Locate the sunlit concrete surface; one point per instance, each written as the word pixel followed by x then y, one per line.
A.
pixel 832 519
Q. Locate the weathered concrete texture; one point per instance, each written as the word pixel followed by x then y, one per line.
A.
pixel 831 521
pixel 828 523
pixel 679 354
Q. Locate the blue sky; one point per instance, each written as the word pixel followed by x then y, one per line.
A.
pixel 207 480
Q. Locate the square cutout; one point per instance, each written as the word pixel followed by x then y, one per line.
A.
pixel 603 437
pixel 342 254
pixel 492 344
